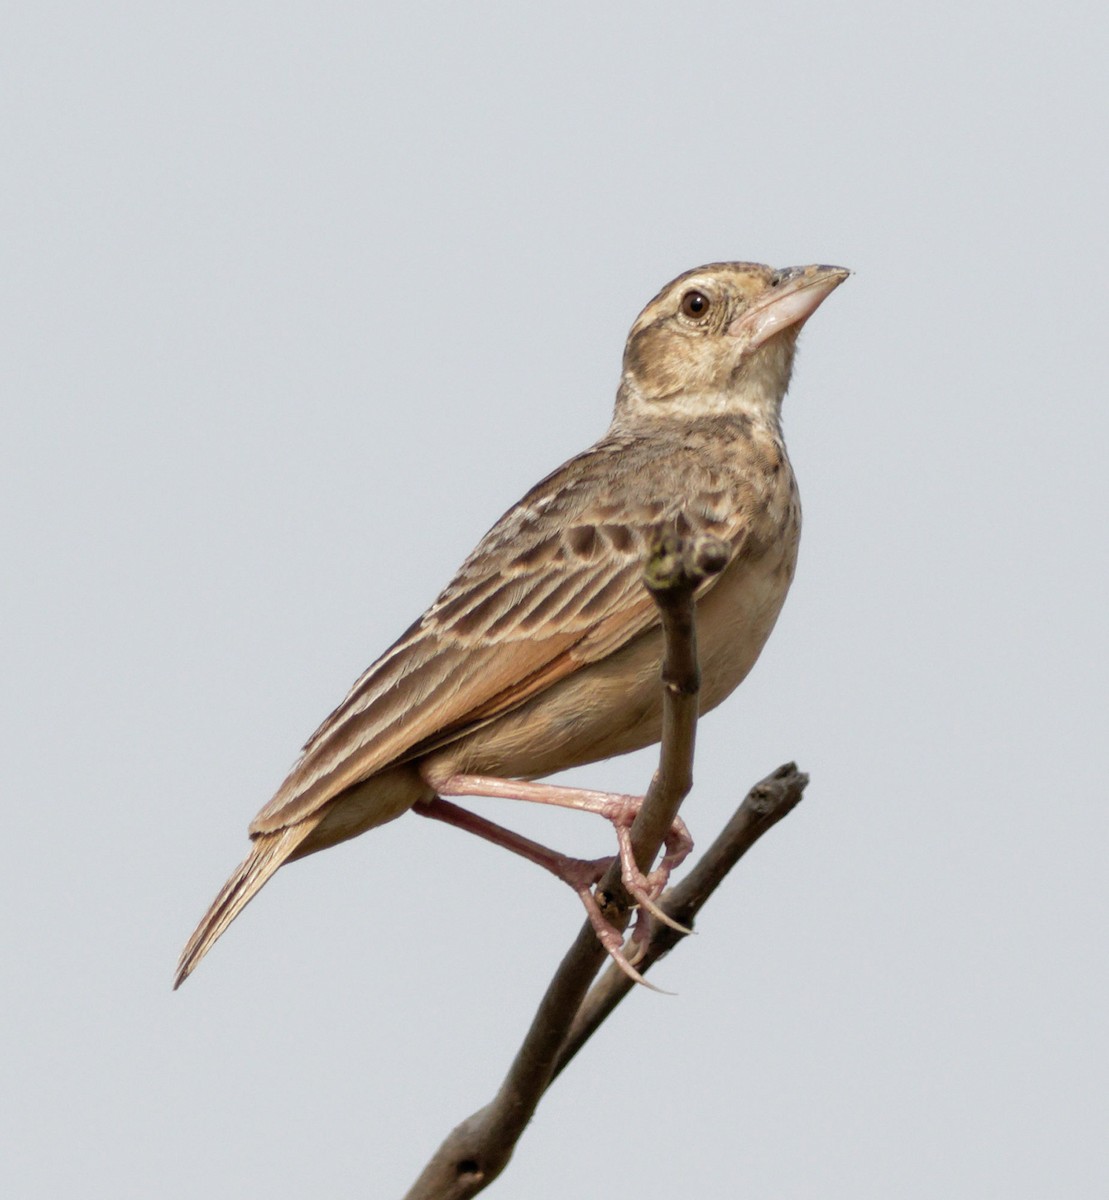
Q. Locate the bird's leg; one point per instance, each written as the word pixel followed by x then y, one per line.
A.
pixel 581 874
pixel 620 810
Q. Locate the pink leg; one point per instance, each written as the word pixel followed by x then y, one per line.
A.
pixel 619 809
pixel 580 874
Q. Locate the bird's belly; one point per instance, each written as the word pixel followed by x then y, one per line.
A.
pixel 615 706
pixel 735 619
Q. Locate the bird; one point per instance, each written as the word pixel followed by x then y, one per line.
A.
pixel 543 652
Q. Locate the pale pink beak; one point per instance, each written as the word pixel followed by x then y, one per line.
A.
pixel 793 296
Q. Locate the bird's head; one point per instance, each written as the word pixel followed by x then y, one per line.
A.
pixel 720 339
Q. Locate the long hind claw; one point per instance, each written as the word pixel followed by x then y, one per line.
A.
pixel 583 876
pixel 612 940
pixel 645 889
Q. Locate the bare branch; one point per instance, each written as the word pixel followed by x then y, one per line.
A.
pixel 478 1149
pixel 762 808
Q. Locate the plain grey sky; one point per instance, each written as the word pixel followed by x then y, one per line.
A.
pixel 296 300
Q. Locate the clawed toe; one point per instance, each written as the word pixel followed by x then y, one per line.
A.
pixel 645 889
pixel 613 941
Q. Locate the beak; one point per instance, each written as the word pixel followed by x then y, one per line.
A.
pixel 791 297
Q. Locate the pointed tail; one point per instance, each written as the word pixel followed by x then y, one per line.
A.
pixel 269 851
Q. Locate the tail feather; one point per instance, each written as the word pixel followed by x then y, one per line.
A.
pixel 269 851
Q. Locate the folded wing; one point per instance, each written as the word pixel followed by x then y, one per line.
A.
pixel 554 585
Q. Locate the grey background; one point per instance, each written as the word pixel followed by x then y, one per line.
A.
pixel 296 300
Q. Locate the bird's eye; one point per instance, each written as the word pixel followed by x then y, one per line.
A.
pixel 695 304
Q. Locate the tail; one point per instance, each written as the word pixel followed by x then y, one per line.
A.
pixel 269 851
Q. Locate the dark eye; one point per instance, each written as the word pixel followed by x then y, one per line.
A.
pixel 695 304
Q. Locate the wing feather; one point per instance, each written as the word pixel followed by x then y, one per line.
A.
pixel 555 584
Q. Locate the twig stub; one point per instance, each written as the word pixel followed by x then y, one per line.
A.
pixel 675 562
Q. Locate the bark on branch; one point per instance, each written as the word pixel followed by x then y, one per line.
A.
pixel 478 1149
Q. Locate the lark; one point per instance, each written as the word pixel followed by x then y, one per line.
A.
pixel 544 650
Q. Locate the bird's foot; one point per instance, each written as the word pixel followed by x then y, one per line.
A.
pixel 582 875
pixel 643 888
